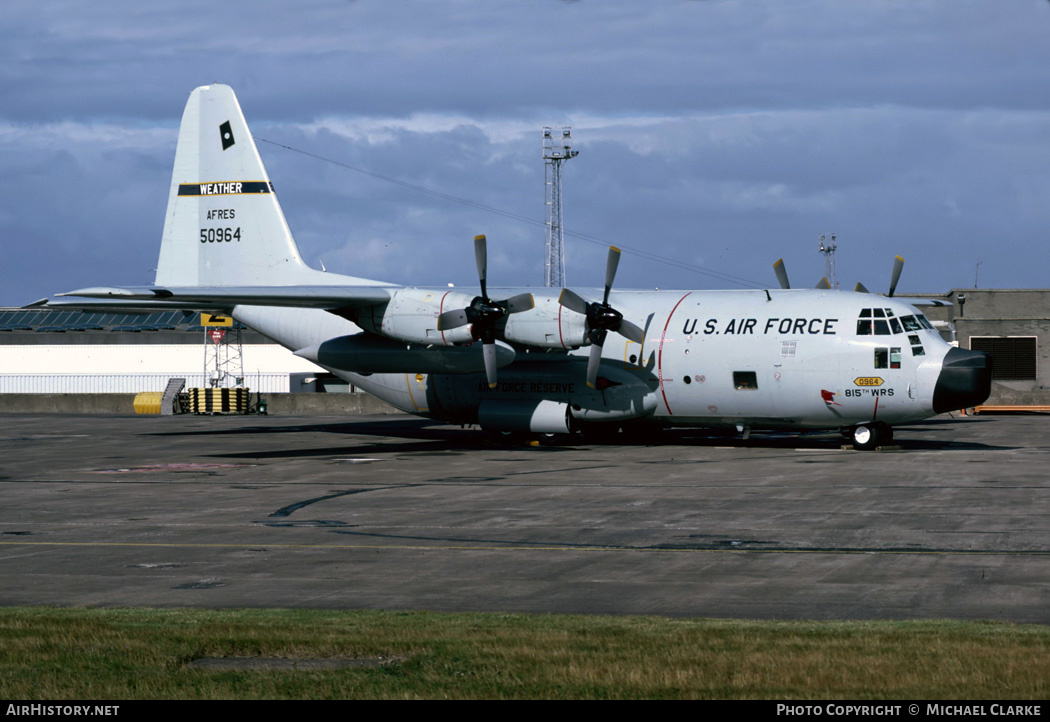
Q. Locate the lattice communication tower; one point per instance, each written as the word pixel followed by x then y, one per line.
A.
pixel 557 148
pixel 223 356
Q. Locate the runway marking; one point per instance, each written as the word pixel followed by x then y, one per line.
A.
pixel 513 546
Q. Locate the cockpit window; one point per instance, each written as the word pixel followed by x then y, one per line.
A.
pixel 883 322
pixel 910 324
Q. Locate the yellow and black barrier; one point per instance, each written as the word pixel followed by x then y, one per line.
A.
pixel 219 401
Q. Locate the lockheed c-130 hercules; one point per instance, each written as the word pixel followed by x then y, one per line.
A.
pixel 529 361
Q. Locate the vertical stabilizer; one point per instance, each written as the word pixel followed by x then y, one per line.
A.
pixel 224 226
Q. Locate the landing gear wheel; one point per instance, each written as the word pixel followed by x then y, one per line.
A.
pixel 864 438
pixel 869 436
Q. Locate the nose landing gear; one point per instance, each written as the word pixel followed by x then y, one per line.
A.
pixel 869 436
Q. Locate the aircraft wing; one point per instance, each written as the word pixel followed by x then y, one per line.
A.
pixel 226 297
pixel 924 301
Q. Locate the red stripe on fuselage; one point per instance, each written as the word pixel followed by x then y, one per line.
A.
pixel 660 354
pixel 560 339
pixel 441 310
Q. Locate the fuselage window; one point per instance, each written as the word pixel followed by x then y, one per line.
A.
pixel 745 380
pixel 895 358
pixel 896 326
pixel 910 324
pixel 880 313
pixel 882 358
pixel 864 327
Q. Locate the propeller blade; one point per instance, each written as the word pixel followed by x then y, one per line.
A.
pixel 593 360
pixel 572 301
pixel 519 303
pixel 898 266
pixel 453 319
pixel 631 332
pixel 782 274
pixel 481 259
pixel 610 271
pixel 861 288
pixel 824 283
pixel 489 352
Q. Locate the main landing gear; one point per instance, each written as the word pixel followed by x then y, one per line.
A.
pixel 868 436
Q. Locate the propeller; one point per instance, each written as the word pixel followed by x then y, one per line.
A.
pixel 782 274
pixel 601 317
pixel 823 283
pixel 484 313
pixel 898 266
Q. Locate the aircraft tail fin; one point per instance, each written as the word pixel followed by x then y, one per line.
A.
pixel 224 226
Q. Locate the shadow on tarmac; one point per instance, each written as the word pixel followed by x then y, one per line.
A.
pixel 423 436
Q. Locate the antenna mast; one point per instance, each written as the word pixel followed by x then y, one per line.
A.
pixel 557 148
pixel 827 247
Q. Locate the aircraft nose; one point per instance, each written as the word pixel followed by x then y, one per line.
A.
pixel 965 380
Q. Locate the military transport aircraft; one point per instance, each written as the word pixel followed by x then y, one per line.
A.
pixel 518 361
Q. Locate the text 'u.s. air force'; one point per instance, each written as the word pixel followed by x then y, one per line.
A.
pixel 768 326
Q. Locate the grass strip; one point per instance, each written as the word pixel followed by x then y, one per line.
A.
pixel 85 654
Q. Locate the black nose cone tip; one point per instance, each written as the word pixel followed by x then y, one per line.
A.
pixel 965 380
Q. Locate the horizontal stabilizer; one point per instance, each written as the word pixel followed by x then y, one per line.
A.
pixel 324 297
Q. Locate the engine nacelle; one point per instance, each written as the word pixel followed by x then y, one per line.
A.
pixel 547 325
pixel 538 417
pixel 411 316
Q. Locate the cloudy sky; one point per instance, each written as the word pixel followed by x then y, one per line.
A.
pixel 717 135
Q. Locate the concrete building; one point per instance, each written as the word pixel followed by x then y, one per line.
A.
pixel 1011 324
pixel 55 352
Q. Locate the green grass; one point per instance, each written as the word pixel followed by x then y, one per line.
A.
pixel 142 654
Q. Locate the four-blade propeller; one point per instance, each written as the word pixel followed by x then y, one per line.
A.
pixel 601 317
pixel 898 266
pixel 484 313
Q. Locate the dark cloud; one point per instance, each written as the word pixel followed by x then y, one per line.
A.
pixel 723 134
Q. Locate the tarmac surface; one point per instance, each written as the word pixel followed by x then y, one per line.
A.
pixel 400 513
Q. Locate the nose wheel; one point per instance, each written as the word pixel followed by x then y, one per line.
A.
pixel 868 436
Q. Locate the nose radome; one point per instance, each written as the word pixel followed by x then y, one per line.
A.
pixel 965 380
